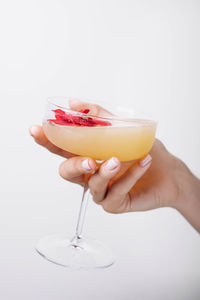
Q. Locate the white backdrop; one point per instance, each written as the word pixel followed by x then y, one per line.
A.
pixel 134 52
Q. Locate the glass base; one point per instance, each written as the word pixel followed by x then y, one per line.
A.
pixel 76 253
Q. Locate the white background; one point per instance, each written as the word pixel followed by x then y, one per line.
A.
pixel 134 52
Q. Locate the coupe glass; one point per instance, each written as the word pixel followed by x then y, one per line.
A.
pixel 94 133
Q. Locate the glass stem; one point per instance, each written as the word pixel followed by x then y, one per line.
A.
pixel 82 211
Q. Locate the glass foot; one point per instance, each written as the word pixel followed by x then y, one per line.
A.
pixel 76 253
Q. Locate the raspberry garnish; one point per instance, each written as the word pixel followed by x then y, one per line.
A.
pixel 84 111
pixel 67 119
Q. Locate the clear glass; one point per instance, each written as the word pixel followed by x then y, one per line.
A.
pixel 86 130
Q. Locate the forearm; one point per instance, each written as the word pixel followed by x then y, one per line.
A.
pixel 189 199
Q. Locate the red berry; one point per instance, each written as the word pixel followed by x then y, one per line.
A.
pixel 67 119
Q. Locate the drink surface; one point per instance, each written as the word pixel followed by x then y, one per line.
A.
pixel 129 142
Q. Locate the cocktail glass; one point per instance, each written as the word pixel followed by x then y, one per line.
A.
pixel 100 136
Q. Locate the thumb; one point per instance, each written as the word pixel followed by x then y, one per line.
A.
pixel 95 109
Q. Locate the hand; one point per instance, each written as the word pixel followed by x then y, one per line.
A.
pixel 156 181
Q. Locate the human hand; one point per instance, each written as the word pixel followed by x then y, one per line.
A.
pixel 150 183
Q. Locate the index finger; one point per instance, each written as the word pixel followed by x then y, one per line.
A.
pixel 36 131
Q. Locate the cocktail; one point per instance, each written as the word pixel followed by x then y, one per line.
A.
pixel 99 135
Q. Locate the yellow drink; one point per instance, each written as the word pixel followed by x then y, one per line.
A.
pixel 128 141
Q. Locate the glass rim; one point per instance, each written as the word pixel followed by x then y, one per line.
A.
pixel 141 121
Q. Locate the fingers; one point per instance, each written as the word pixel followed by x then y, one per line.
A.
pixel 36 131
pixel 129 179
pixel 75 168
pixel 117 199
pixel 95 109
pixel 99 181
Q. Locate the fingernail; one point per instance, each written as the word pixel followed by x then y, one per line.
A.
pixel 85 165
pixel 33 130
pixel 112 164
pixel 145 161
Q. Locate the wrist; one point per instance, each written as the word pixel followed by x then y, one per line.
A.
pixel 188 200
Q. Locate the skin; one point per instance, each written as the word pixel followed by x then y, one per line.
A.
pixel 158 180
